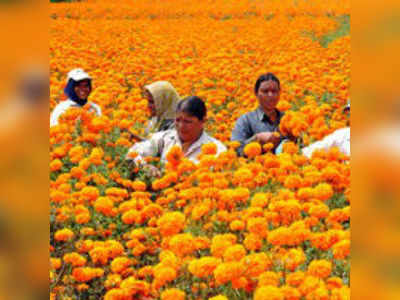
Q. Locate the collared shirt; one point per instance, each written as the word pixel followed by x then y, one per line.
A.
pixel 161 142
pixel 63 106
pixel 339 138
pixel 251 123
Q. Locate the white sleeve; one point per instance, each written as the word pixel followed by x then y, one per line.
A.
pixel 149 147
pixel 324 144
pixel 56 113
pixel 97 108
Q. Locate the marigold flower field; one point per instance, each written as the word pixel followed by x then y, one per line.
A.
pixel 263 227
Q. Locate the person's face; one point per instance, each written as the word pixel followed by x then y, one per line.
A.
pixel 151 105
pixel 268 94
pixel 189 128
pixel 82 89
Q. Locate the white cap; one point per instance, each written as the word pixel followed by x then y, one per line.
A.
pixel 77 75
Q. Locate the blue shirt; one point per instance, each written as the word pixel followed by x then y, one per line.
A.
pixel 251 123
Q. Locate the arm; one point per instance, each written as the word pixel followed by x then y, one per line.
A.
pixel 149 147
pixel 57 112
pixel 242 133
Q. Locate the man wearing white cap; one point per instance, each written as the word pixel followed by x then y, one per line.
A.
pixel 78 88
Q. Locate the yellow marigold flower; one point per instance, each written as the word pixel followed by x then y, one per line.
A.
pixel 203 267
pixel 119 264
pixel 175 155
pixel 171 223
pixel 228 271
pixel 252 150
pixel 220 243
pixel 63 235
pixel 209 148
pixel 258 226
pixel 268 278
pixel 218 297
pixel 162 275
pixel 55 165
pixel 131 216
pixel 90 193
pixel 252 242
pixel 75 259
pixel 290 293
pixel 138 185
pixel 309 284
pixel 104 205
pixel 182 244
pixel 295 278
pixel 55 263
pixel 279 236
pixel 85 274
pixel 234 253
pixel 293 258
pixel 341 249
pixel 268 293
pixel 323 191
pixel 99 255
pixel 256 264
pixel 236 225
pixel 113 280
pixel 260 200
pixel 173 294
pixel 115 294
pixel 132 286
pixel 320 268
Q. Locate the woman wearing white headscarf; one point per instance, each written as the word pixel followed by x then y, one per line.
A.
pixel 162 100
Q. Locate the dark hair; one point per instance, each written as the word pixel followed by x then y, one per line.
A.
pixel 193 106
pixel 266 77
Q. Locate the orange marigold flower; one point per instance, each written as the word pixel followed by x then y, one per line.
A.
pixel 119 264
pixel 55 263
pixel 163 274
pixel 236 225
pixel 85 274
pixel 341 249
pixel 323 191
pixel 220 243
pixel 228 271
pixel 75 259
pixel 268 278
pixel 182 244
pixel 295 279
pixel 209 148
pixel 175 155
pixel 218 297
pixel 203 267
pixel 55 165
pixel 104 205
pixel 268 293
pixel 253 242
pixel 171 223
pixel 63 235
pixel 173 294
pixel 138 185
pixel 234 253
pixel 252 149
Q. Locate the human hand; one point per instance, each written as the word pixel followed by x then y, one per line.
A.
pixel 152 171
pixel 268 137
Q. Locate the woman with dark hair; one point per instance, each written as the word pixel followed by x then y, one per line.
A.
pixel 262 124
pixel 188 133
pixel 78 89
